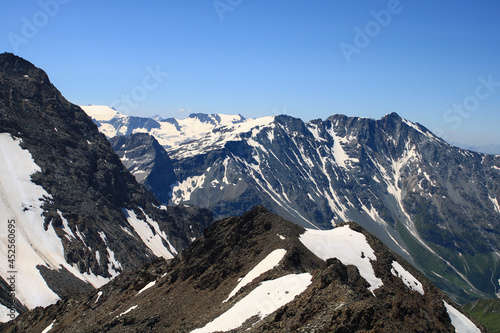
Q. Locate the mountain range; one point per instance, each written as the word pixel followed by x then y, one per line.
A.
pixel 434 204
pixel 116 233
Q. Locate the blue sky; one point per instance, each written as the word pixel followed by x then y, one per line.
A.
pixel 433 62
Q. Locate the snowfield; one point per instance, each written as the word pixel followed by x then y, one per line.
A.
pixel 21 200
pixel 348 246
pixel 461 323
pixel 408 279
pixel 262 301
pixel 272 260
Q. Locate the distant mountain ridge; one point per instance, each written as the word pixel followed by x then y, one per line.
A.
pixel 80 218
pixel 434 204
pixel 260 273
pixel 490 149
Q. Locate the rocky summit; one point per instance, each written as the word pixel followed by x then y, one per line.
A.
pixel 261 273
pixel 76 216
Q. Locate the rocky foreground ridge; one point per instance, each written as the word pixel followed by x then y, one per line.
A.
pixel 261 273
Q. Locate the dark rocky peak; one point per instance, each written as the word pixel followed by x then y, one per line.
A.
pixel 205 118
pixel 12 64
pixel 172 121
pixel 133 140
pixel 214 119
pixel 293 125
pixel 93 208
pixel 148 161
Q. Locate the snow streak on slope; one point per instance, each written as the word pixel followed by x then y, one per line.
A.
pixel 341 158
pixel 150 233
pixel 461 323
pixel 347 245
pixel 146 287
pixel 21 200
pixel 183 190
pixel 494 201
pixel 272 260
pixel 408 279
pixel 262 301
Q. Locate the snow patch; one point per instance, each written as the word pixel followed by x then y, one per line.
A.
pixel 151 235
pixel 262 301
pixel 99 294
pixel 408 279
pixel 461 323
pixel 66 227
pixel 495 204
pixel 124 313
pixel 114 266
pixel 5 314
pixel 39 246
pixel 46 330
pixel 182 191
pixel 272 260
pixel 347 245
pixel 149 285
pixel 103 237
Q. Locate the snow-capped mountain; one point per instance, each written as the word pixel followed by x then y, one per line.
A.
pixel 170 132
pixel 72 216
pixel 434 204
pixel 261 273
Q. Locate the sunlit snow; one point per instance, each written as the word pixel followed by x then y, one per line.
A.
pixel 406 277
pixel 262 301
pixel 153 240
pixel 149 285
pixel 272 260
pixel 461 323
pixel 348 246
pixel 124 313
pixel 20 200
pixel 48 328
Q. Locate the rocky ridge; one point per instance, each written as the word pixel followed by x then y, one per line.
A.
pixel 207 288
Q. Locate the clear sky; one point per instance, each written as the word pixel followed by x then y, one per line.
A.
pixel 433 62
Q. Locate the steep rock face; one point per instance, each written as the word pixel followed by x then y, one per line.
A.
pixel 261 273
pixel 434 204
pixel 148 161
pixel 81 217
